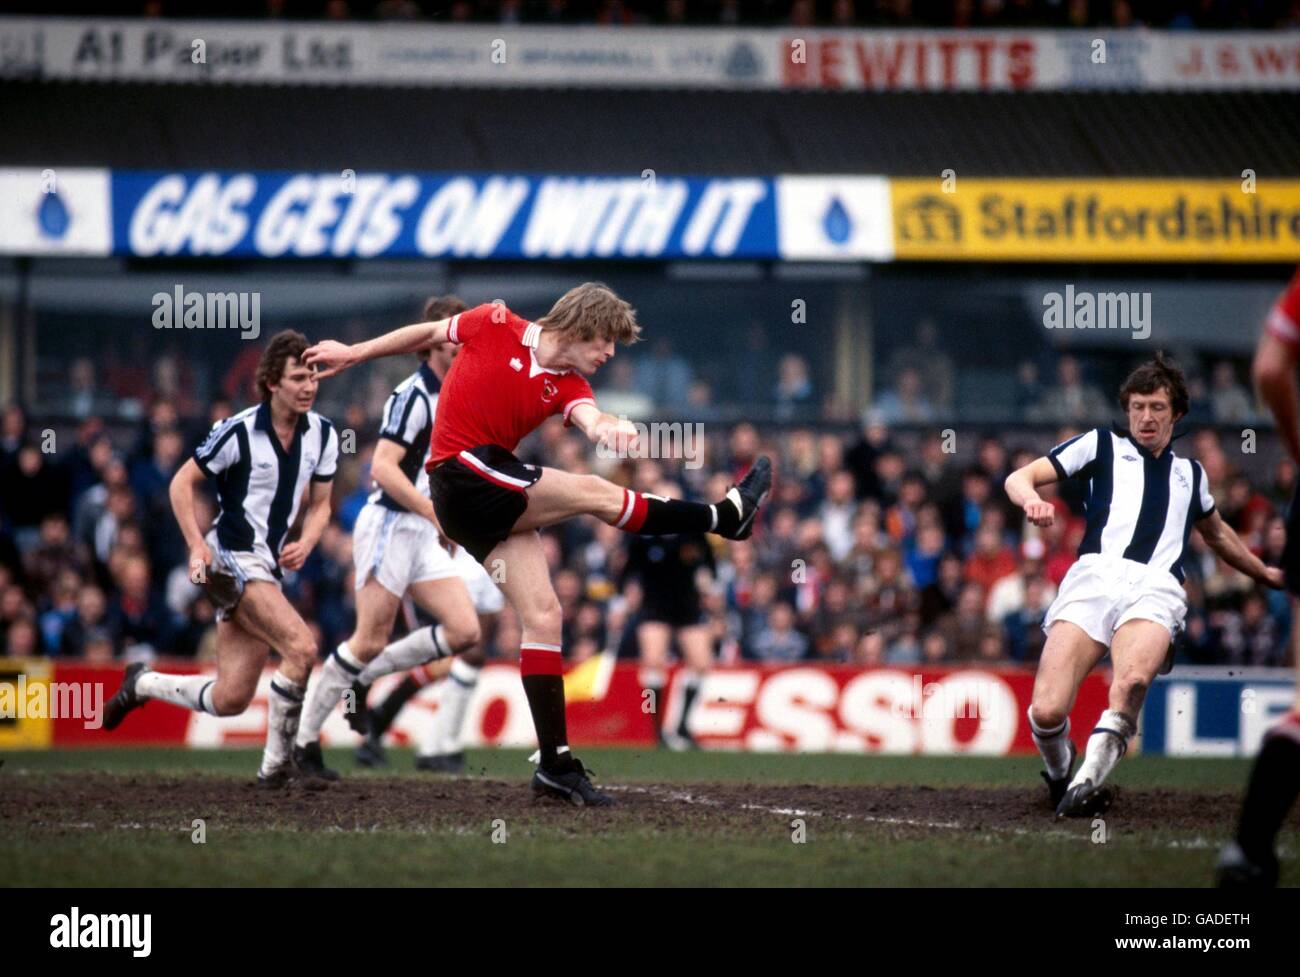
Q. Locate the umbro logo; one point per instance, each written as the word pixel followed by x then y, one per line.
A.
pixel 262 464
pixel 1130 457
pixel 516 364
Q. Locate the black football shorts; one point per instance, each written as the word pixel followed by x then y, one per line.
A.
pixel 479 495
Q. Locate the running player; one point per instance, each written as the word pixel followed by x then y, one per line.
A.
pixel 1249 859
pixel 1124 593
pixel 262 460
pixel 511 375
pixel 398 548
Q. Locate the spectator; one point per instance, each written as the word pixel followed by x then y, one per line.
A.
pixel 1229 401
pixel 1072 400
pixel 779 641
pixel 907 403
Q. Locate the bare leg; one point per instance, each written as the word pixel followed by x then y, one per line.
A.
pixel 1137 651
pixel 526 582
pixel 1068 655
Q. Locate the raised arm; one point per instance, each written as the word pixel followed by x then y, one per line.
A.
pixel 1022 488
pixel 332 357
pixel 1225 542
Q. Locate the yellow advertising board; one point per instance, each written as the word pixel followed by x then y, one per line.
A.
pixel 1096 220
pixel 24 681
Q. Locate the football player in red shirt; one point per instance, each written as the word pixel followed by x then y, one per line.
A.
pixel 1249 859
pixel 510 376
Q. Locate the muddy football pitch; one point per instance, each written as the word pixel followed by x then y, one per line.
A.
pixel 195 818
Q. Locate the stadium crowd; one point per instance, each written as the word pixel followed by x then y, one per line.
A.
pixel 889 542
pixel 1176 14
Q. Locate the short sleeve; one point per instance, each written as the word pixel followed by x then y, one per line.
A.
pixel 1070 457
pixel 1284 318
pixel 329 455
pixel 576 390
pixel 1204 500
pixel 405 415
pixel 465 326
pixel 220 449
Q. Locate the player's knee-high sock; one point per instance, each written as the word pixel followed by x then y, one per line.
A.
pixel 690 693
pixel 1053 744
pixel 1274 784
pixel 653 515
pixel 332 679
pixel 284 709
pixel 541 667
pixel 453 702
pixel 418 647
pixel 1108 742
pixel 188 691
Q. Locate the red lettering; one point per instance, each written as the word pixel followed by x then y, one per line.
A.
pixel 949 51
pixel 1020 72
pixel 878 66
pixel 984 54
pixel 830 63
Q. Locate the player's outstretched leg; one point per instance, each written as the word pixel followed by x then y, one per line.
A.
pixel 1249 861
pixel 558 495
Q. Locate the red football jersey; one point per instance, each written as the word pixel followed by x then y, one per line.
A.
pixel 1284 319
pixel 496 392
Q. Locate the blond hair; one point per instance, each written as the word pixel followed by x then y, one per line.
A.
pixel 592 311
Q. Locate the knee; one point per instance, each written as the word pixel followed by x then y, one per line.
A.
pixel 1047 715
pixel 1130 688
pixel 544 616
pixel 230 702
pixel 302 650
pixel 365 647
pixel 462 634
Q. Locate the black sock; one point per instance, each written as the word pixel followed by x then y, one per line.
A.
pixel 382 715
pixel 688 700
pixel 546 702
pixel 650 515
pixel 1274 783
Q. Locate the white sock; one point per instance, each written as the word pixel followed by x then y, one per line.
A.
pixel 187 691
pixel 332 680
pixel 284 708
pixel 453 702
pixel 1108 742
pixel 420 646
pixel 1054 745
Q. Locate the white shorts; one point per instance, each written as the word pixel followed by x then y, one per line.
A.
pixel 401 548
pixel 243 565
pixel 1101 593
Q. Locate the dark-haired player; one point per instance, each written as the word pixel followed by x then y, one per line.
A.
pixel 1124 593
pixel 509 377
pixel 1249 859
pixel 261 460
pixel 398 548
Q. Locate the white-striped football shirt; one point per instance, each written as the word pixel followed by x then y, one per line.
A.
pixel 260 484
pixel 1139 507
